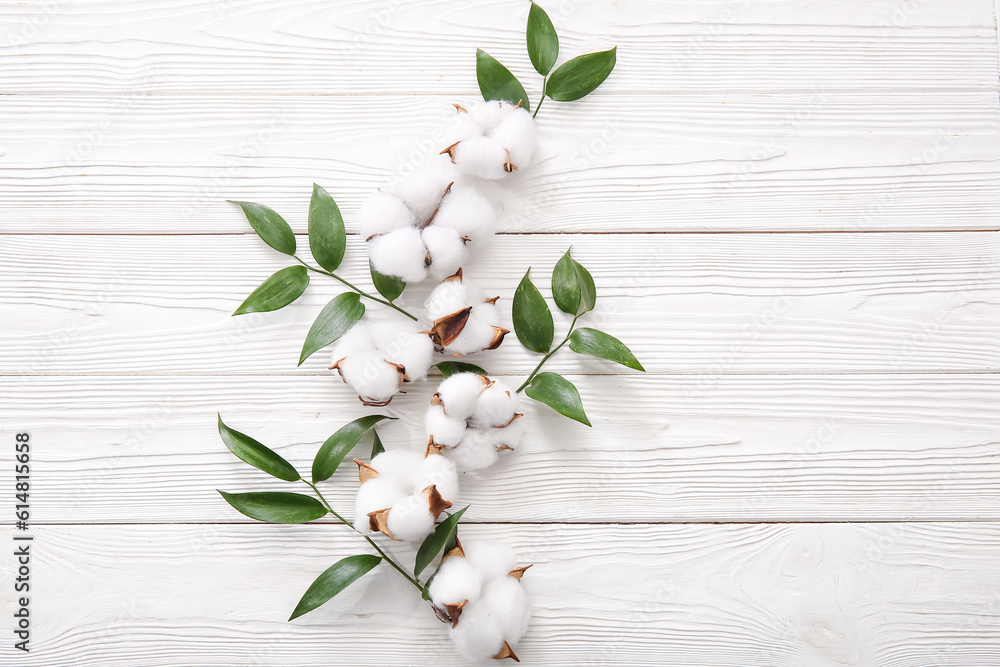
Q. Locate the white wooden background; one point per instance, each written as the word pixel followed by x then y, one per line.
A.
pixel 790 209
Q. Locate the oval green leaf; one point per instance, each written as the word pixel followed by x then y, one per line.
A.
pixel 270 227
pixel 532 317
pixel 327 236
pixel 279 290
pixel 559 394
pixel 336 318
pixel 276 507
pixel 377 447
pixel 449 368
pixel 580 76
pixel 573 287
pixel 337 446
pixel 336 578
pixel 388 286
pixel 436 541
pixel 543 43
pixel 603 346
pixel 256 454
pixel 496 82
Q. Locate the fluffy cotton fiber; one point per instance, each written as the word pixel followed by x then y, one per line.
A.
pixel 464 321
pixel 496 138
pixel 376 358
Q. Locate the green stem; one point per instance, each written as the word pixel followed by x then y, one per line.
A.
pixel 370 541
pixel 547 356
pixel 355 288
pixel 539 105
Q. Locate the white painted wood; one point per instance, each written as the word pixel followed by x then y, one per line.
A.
pixel 728 596
pixel 720 303
pixel 721 162
pixel 676 448
pixel 376 46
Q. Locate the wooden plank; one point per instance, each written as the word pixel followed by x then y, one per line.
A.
pixel 712 304
pixel 724 162
pixel 728 596
pixel 662 449
pixel 314 48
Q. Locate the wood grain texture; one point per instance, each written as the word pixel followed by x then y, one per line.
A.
pixel 375 46
pixel 722 162
pixel 722 303
pixel 662 449
pixel 891 595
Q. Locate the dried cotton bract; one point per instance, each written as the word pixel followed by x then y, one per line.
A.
pixel 472 418
pixel 495 139
pixel 376 358
pixel 420 225
pixel 464 320
pixel 402 493
pixel 478 591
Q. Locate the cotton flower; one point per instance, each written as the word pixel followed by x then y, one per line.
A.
pixel 496 138
pixel 464 321
pixel 478 591
pixel 420 225
pixel 471 419
pixel 376 358
pixel 402 493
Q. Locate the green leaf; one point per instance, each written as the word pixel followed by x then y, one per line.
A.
pixel 496 82
pixel 277 291
pixel 276 507
pixel 603 346
pixel 377 447
pixel 559 394
pixel 256 454
pixel 327 236
pixel 342 313
pixel 436 541
pixel 543 43
pixel 449 368
pixel 270 226
pixel 388 286
pixel 572 286
pixel 580 76
pixel 336 578
pixel 532 317
pixel 336 447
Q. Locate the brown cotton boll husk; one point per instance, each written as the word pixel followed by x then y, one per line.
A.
pixel 507 166
pixel 517 415
pixel 365 471
pixel 456 552
pixel 435 503
pixel 492 300
pixel 454 611
pixel 455 276
pixel 446 329
pixel 450 151
pixel 506 652
pixel 459 108
pixel 487 383
pixel 432 449
pixel 498 334
pixel 377 522
pixel 374 404
pixel 518 572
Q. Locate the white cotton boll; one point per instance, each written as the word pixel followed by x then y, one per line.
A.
pixel 445 430
pixel 398 465
pixel 357 339
pixel 477 335
pixel 381 213
pixel 508 436
pixel 399 253
pixel 492 559
pixel 447 298
pixel 421 191
pixel 458 394
pixel 375 495
pixel 402 342
pixel 465 127
pixel 508 604
pixel 409 519
pixel 484 157
pixel 476 452
pixel 440 472
pixel 455 581
pixel 371 376
pixel 478 635
pixel 447 250
pixel 470 213
pixel 517 134
pixel 488 115
pixel 496 406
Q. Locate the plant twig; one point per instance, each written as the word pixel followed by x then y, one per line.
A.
pixel 547 356
pixel 355 288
